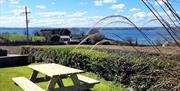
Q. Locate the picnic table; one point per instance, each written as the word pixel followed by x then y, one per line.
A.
pixel 55 73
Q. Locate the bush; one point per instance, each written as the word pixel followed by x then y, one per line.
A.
pixel 139 74
pixel 55 38
pixel 3 52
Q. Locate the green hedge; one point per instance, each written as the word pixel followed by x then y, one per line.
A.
pixel 139 74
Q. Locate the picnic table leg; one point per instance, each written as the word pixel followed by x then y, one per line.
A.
pixel 75 79
pixel 76 82
pixel 60 82
pixel 52 83
pixel 34 75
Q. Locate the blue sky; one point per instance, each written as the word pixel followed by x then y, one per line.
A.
pixel 74 13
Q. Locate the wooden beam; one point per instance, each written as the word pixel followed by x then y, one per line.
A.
pixel 34 75
pixel 52 83
pixel 60 82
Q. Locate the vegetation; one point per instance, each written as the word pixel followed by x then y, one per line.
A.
pixel 127 69
pixel 140 55
pixel 59 31
pixel 52 35
pixel 18 38
pixel 7 84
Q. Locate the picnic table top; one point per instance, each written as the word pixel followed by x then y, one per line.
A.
pixel 52 69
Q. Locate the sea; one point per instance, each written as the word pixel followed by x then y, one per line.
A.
pixel 155 34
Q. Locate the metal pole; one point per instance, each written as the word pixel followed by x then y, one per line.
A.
pixel 27 29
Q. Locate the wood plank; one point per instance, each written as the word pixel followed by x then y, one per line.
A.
pixel 26 84
pixel 87 80
pixel 53 69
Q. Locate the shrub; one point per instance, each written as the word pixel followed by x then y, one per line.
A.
pixel 139 74
pixel 3 52
pixel 55 38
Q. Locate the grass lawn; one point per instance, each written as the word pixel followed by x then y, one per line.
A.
pixel 20 37
pixel 6 84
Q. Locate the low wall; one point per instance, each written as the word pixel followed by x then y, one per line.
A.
pixel 13 60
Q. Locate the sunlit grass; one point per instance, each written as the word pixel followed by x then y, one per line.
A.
pixel 6 83
pixel 20 37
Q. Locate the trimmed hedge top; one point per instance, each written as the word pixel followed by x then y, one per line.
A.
pixel 85 52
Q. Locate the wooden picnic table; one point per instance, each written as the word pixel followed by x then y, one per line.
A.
pixel 55 73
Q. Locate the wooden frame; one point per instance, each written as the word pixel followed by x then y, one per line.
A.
pixel 54 73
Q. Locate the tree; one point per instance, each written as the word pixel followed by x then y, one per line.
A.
pixel 36 33
pixel 55 38
pixel 52 35
pixel 96 36
pixel 129 40
pixel 61 31
pixel 136 43
pixel 93 31
pixel 46 34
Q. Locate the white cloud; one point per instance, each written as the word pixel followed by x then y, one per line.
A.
pixel 53 3
pixel 19 11
pixel 101 2
pixel 19 6
pixel 12 21
pixel 76 19
pixel 86 21
pixel 118 7
pixel 1 2
pixel 159 2
pixel 116 13
pixel 40 6
pixel 134 10
pixel 109 1
pixel 47 22
pixel 142 19
pixel 16 11
pixel 98 3
pixel 9 1
pixel 140 15
pixel 150 14
pixel 52 14
pixel 66 21
pixel 59 14
pixel 83 3
pixel 78 14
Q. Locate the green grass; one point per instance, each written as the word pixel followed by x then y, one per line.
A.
pixel 6 84
pixel 20 37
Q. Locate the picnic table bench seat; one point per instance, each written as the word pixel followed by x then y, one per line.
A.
pixel 26 84
pixel 87 80
pixel 86 85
